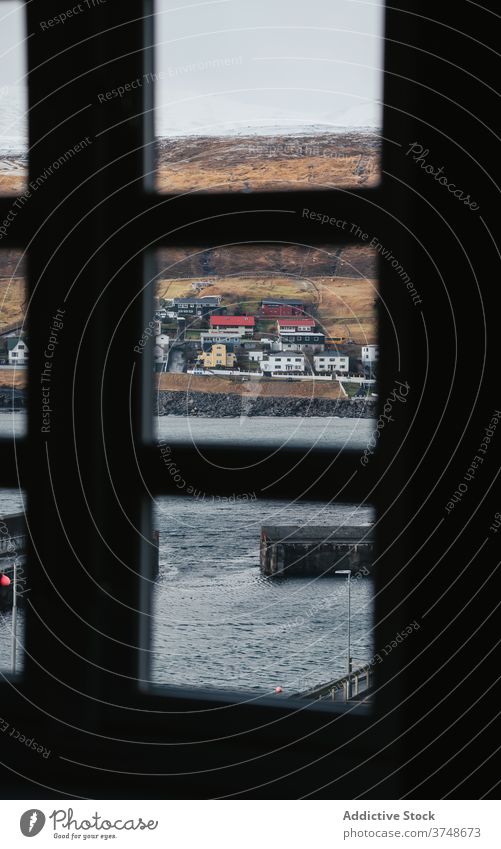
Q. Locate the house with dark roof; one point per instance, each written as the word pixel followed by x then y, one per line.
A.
pixel 17 350
pixel 195 306
pixel 302 341
pixel 282 307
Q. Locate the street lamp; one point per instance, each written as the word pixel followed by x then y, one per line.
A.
pixel 347 572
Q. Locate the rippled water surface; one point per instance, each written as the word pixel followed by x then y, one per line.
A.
pixel 216 621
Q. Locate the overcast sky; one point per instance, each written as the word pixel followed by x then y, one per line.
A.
pixel 12 42
pixel 13 131
pixel 226 66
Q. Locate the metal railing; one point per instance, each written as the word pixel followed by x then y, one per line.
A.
pixel 347 687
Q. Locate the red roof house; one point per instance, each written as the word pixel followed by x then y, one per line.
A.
pixel 244 323
pixel 232 321
pixel 295 324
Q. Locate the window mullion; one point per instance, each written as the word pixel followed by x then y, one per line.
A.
pixel 290 473
pixel 334 216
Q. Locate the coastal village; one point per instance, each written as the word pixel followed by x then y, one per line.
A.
pixel 201 335
pixel 282 340
pixel 239 322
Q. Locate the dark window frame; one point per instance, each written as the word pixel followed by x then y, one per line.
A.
pixel 98 691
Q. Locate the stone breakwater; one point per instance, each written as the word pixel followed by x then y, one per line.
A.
pixel 212 405
pixel 12 399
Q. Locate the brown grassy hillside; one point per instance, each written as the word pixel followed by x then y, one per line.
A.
pixel 264 388
pixel 343 307
pixel 12 295
pixel 268 162
pixel 13 378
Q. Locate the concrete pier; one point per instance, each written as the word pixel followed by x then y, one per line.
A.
pixel 293 551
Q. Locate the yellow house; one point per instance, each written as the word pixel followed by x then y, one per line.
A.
pixel 219 356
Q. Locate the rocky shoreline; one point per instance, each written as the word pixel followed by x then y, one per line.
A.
pixel 220 405
pixel 12 399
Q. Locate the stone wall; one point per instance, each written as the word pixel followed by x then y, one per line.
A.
pixel 212 405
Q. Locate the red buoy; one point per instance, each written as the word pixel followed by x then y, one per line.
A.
pixel 278 690
pixel 5 581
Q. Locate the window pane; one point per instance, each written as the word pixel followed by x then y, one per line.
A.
pixel 13 99
pixel 273 343
pixel 223 619
pixel 14 344
pixel 260 95
pixel 13 580
pixel 261 345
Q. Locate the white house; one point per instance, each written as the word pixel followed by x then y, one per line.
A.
pixel 271 344
pixel 370 354
pixel 225 337
pixel 331 363
pixel 255 351
pixel 295 325
pixel 213 300
pixel 256 356
pixel 18 351
pixel 283 364
pixel 161 351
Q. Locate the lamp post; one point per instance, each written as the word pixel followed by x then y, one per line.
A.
pixel 347 572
